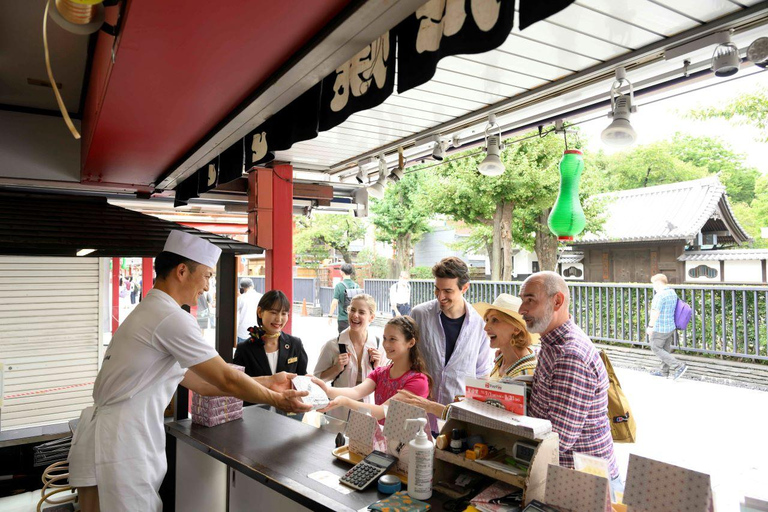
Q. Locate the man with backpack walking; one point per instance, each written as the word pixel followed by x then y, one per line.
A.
pixel 343 293
pixel 661 328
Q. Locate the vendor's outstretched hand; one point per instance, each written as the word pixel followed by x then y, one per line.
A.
pixel 339 401
pixel 290 401
pixel 280 381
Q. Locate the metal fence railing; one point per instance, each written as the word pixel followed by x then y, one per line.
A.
pixel 304 288
pixel 727 320
pixel 326 297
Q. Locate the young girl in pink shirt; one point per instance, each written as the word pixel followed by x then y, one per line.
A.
pixel 407 371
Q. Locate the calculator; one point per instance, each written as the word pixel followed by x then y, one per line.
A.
pixel 368 470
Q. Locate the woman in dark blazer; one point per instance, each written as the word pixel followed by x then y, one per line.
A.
pixel 268 350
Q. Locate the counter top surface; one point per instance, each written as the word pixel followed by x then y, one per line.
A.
pixel 279 452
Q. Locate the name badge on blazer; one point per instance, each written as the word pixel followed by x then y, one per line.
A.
pixel 292 360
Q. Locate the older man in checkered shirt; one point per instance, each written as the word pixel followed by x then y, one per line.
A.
pixel 570 385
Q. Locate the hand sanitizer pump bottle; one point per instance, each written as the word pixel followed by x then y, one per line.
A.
pixel 420 464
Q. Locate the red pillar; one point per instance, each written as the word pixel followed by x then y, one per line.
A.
pixel 115 294
pixel 147 274
pixel 270 225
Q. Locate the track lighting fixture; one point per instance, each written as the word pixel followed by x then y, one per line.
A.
pixel 726 59
pixel 438 152
pixel 377 189
pixel 492 164
pixel 620 131
pixel 758 52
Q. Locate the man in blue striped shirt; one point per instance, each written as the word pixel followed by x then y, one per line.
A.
pixel 661 327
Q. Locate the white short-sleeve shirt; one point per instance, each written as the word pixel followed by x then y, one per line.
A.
pixel 154 338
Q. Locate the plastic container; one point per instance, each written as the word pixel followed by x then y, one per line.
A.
pixel 421 463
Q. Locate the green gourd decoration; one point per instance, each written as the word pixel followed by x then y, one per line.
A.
pixel 567 217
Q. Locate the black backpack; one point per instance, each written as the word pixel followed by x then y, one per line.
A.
pixel 350 293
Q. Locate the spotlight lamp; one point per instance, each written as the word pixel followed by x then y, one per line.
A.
pixel 438 153
pixel 396 175
pixel 361 202
pixel 377 189
pixel 492 164
pixel 360 176
pixel 620 132
pixel 726 60
pixel 758 52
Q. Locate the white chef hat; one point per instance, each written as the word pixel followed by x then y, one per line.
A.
pixel 193 248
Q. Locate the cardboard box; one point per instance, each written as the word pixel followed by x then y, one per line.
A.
pixel 501 429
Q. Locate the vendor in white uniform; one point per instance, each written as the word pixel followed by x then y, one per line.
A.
pixel 117 460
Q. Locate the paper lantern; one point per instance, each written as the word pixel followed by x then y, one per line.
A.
pixel 567 217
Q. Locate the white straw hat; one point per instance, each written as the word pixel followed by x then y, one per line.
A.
pixel 192 247
pixel 507 304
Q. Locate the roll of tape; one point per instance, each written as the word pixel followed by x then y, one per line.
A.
pixel 389 484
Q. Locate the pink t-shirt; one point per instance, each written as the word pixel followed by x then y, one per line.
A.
pixel 387 387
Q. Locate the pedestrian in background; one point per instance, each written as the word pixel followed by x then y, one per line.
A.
pixel 661 328
pixel 343 293
pixel 400 295
pixel 247 304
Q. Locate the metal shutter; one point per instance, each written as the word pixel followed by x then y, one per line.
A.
pixel 49 338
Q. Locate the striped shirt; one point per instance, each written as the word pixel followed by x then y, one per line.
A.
pixel 665 303
pixel 570 389
pixel 526 365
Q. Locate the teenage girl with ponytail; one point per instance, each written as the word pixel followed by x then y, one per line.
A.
pixel 406 371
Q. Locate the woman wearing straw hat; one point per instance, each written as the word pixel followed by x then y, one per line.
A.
pixel 508 335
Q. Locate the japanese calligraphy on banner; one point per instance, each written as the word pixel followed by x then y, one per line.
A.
pixel 208 177
pixel 438 29
pixel 295 123
pixel 363 82
pixel 441 28
pixel 532 11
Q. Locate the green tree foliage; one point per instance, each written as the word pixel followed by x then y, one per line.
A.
pixel 682 158
pixel 746 109
pixel 315 237
pixel 422 272
pixel 402 215
pixel 513 207
pixel 306 252
pixel 379 264
pixel 715 156
pixel 755 216
pixel 747 189
pixel 642 166
pixel 686 157
pixel 479 241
